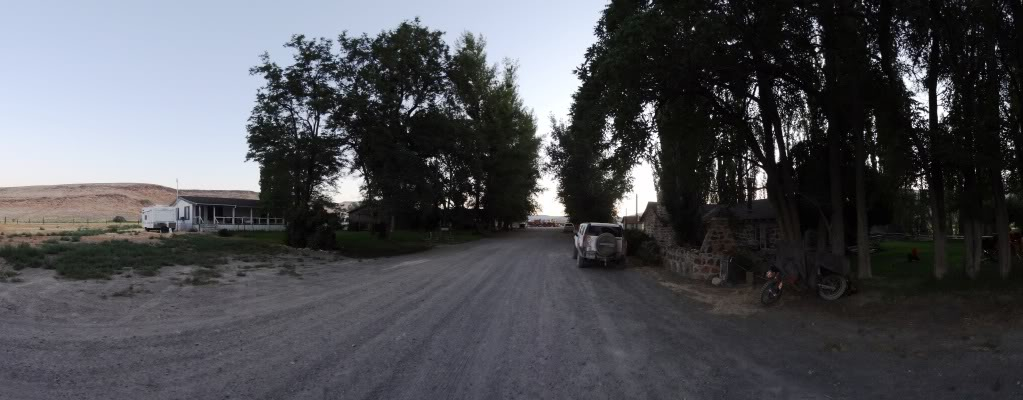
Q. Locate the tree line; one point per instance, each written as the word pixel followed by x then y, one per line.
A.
pixel 433 132
pixel 836 111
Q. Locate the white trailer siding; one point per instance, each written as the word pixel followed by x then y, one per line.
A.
pixel 158 217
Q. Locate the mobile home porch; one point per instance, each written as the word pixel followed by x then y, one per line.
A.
pixel 214 213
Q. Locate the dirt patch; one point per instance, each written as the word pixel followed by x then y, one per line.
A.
pixel 723 301
pixel 918 326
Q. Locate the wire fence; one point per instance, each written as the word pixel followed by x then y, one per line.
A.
pixel 65 220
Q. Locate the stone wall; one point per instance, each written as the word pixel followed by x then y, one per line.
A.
pixel 692 263
pixel 719 238
pixel 719 243
pixel 657 225
pixel 747 235
pixel 702 263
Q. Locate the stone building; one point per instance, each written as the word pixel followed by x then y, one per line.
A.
pixel 754 225
pixel 750 226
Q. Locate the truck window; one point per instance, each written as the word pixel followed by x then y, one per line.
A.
pixel 594 230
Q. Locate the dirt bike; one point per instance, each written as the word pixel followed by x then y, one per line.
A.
pixel 831 285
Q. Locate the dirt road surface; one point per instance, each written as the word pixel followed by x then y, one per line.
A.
pixel 501 318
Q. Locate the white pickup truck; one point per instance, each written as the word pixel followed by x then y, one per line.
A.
pixel 599 242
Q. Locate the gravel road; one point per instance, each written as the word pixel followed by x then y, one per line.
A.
pixel 508 317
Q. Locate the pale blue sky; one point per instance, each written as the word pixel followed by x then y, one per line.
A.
pixel 147 91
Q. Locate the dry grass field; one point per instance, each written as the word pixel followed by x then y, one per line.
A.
pixel 39 229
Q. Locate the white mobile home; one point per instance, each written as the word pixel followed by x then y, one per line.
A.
pixel 214 213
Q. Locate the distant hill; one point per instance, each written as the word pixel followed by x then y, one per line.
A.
pixel 94 200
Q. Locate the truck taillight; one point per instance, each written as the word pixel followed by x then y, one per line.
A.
pixel 586 241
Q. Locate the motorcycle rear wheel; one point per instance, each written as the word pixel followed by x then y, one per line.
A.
pixel 832 287
pixel 770 293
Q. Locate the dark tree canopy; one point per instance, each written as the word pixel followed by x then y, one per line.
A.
pixel 806 104
pixel 433 133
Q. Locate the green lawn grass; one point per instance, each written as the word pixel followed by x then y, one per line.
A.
pixel 364 244
pixel 892 269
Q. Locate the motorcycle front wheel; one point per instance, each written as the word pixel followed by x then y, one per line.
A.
pixel 770 293
pixel 832 287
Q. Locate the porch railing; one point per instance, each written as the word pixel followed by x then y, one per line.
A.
pixel 240 221
pixel 248 221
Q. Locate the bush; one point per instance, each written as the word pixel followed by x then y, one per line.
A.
pixel 120 219
pixel 634 239
pixel 649 252
pixel 224 233
pixel 641 245
pixel 323 239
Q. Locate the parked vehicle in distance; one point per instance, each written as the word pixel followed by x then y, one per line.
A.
pixel 568 228
pixel 161 219
pixel 599 242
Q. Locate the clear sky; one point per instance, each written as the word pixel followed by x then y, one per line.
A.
pixel 147 91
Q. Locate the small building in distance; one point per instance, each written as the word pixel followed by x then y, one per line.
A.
pixel 364 216
pixel 632 222
pixel 214 213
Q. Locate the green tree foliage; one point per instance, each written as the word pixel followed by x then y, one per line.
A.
pixel 591 175
pixel 431 132
pixel 291 136
pixel 502 157
pixel 398 124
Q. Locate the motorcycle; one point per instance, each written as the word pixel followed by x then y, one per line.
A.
pixel 831 284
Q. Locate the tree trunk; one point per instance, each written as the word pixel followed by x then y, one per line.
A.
pixel 837 234
pixel 935 173
pixel 974 251
pixel 969 217
pixel 1002 225
pixel 862 228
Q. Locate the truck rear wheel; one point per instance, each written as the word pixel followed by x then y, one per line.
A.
pixel 580 261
